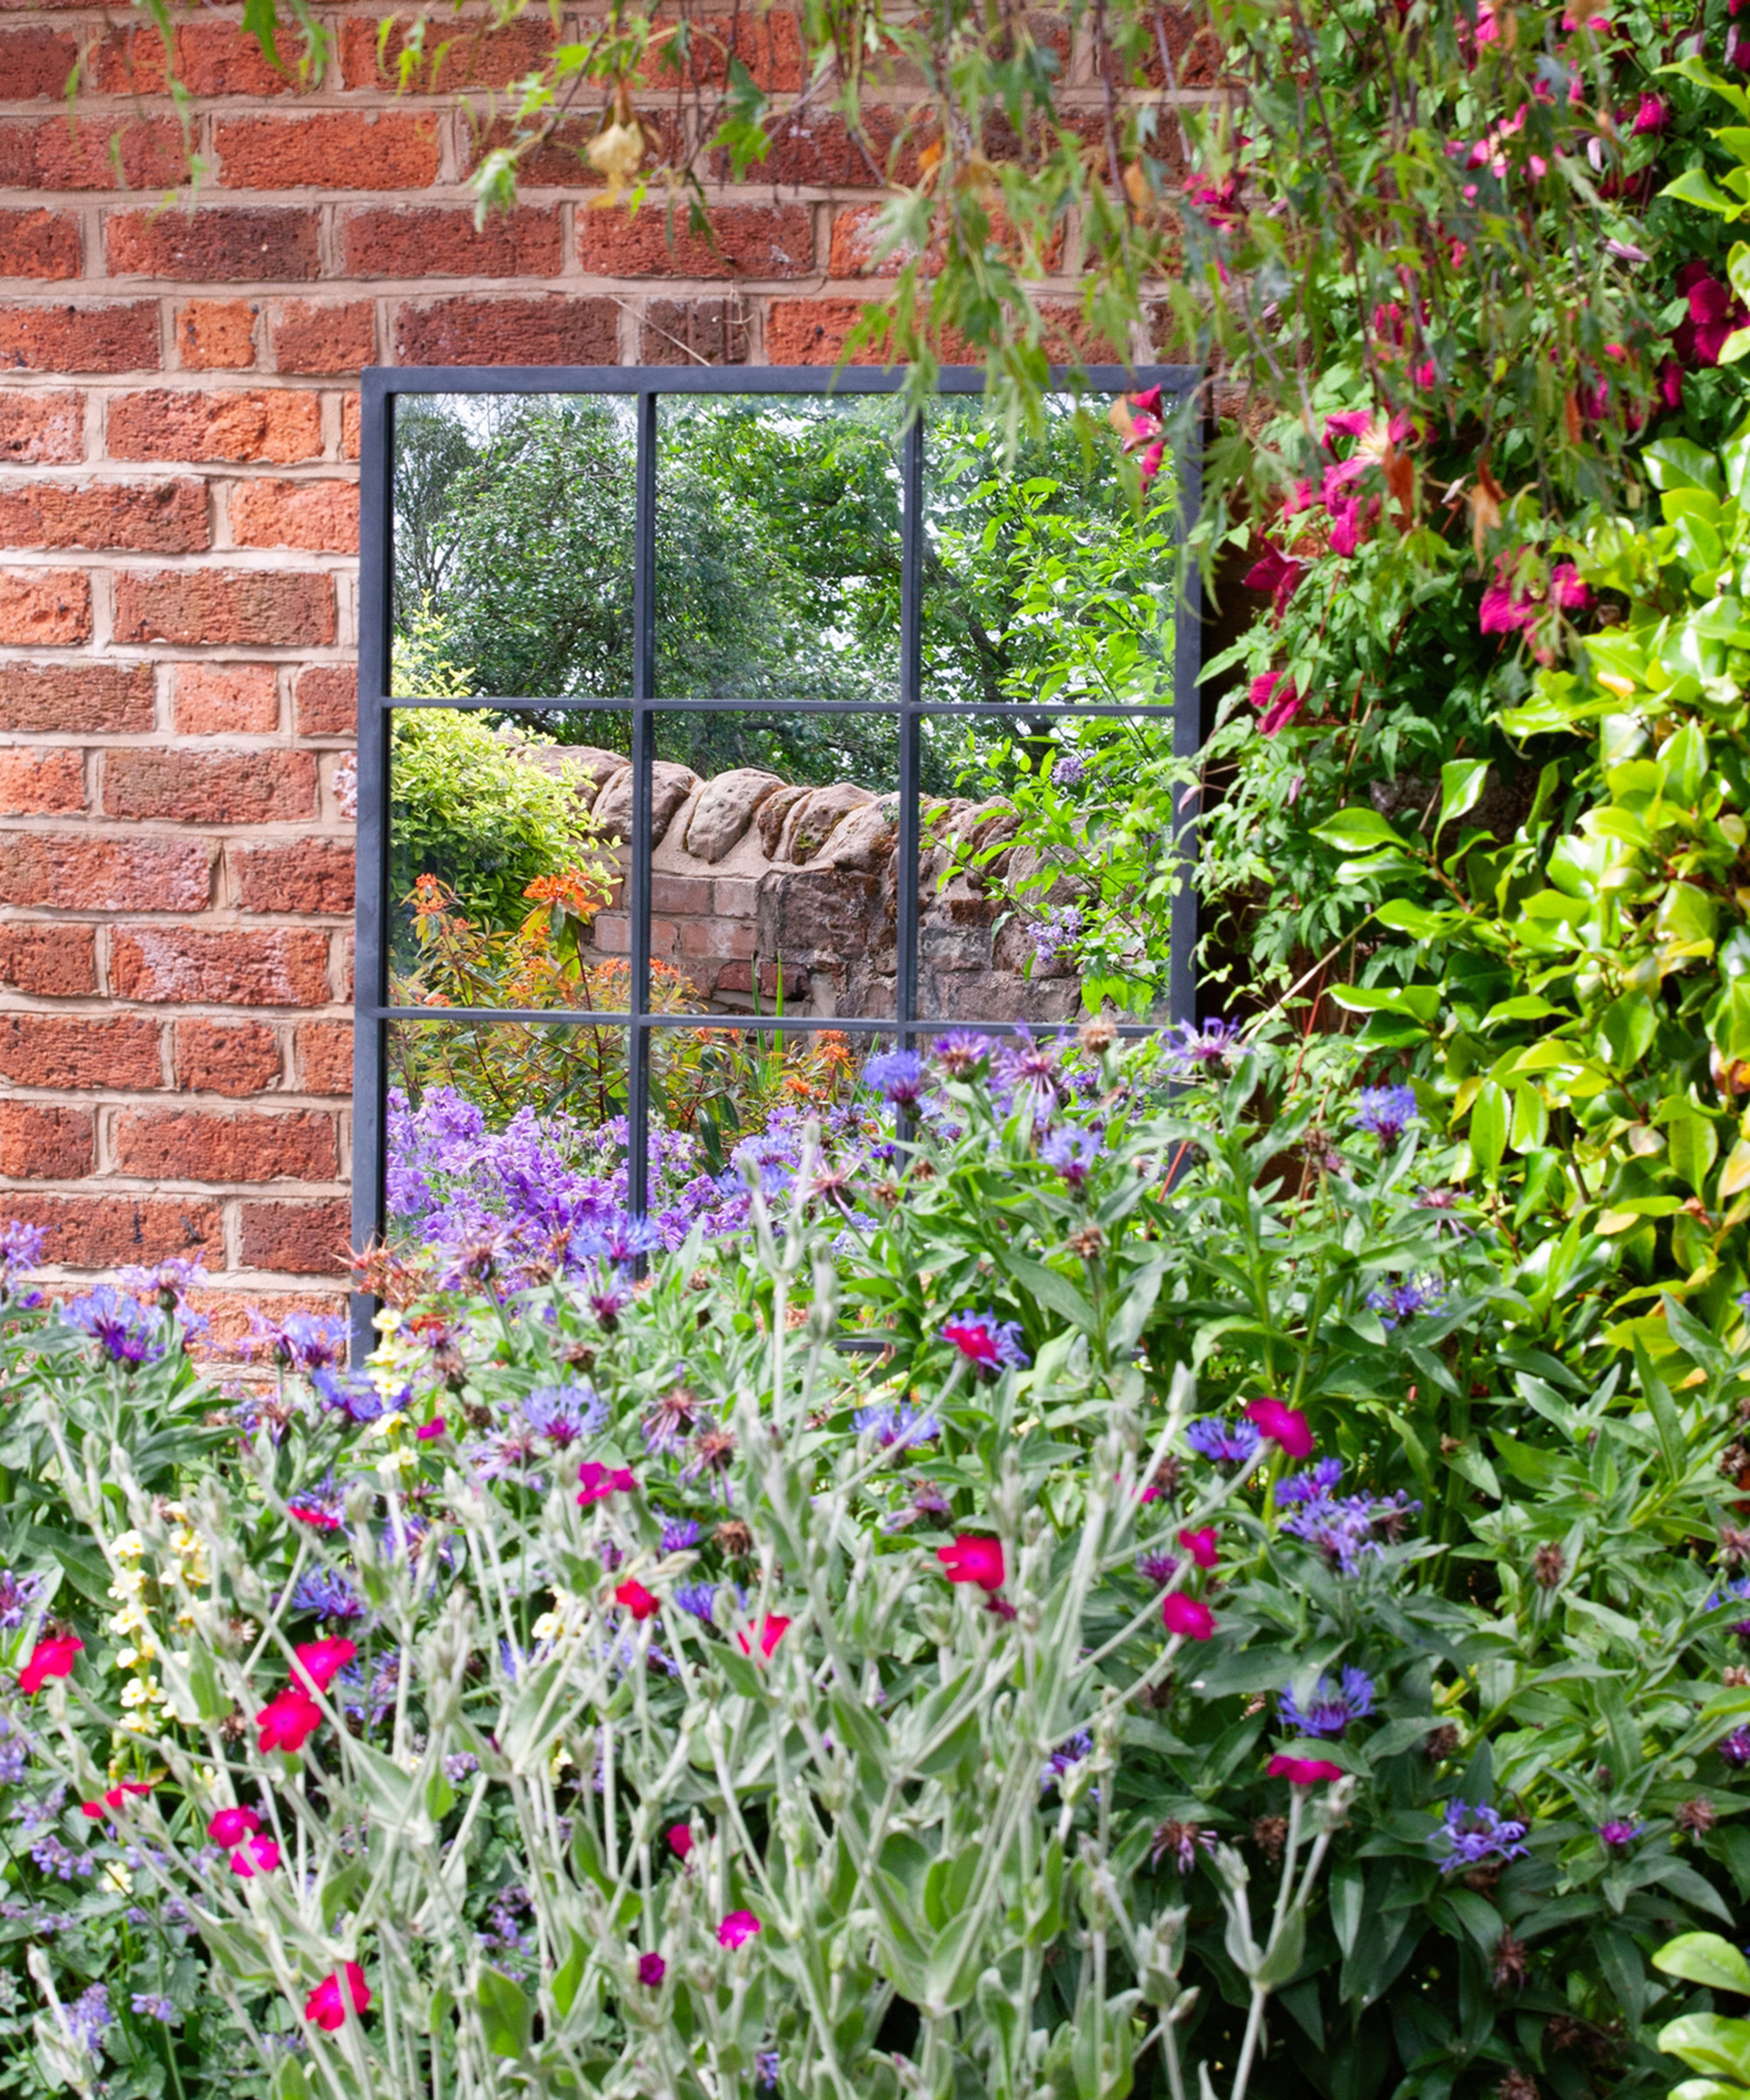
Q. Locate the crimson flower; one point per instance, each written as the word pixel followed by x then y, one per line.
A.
pixel 1713 314
pixel 326 2004
pixel 641 1602
pixel 1282 1424
pixel 1277 572
pixel 1276 709
pixel 771 1633
pixel 256 1855
pixel 600 1481
pixel 1302 1771
pixel 1654 114
pixel 1186 1616
pixel 289 1720
pixel 320 1662
pixel 974 1559
pixel 433 1428
pixel 681 1839
pixel 318 1520
pixel 231 1826
pixel 738 1929
pixel 651 1970
pixel 1346 525
pixel 1200 1545
pixel 98 1809
pixel 50 1658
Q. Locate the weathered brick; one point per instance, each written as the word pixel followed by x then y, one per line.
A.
pixel 680 894
pixel 330 150
pixel 211 58
pixel 544 330
pixel 39 244
pixel 44 608
pixel 717 940
pixel 559 162
pixel 808 149
pixel 436 240
pixel 188 965
pixel 35 63
pixel 814 331
pixel 215 244
pixel 41 1143
pixel 118 336
pixel 216 335
pixel 108 1231
pixel 325 1057
pixel 693 332
pixel 41 429
pixel 459 52
pixel 48 961
pixel 252 424
pixel 236 1058
pixel 769 45
pixel 251 607
pixel 856 239
pixel 82 154
pixel 226 699
pixel 56 1050
pixel 153 517
pixel 747 240
pixel 76 699
pixel 300 875
pixel 319 516
pixel 299 1239
pixel 327 701
pixel 61 872
pixel 349 426
pixel 204 1145
pixel 36 782
pixel 313 335
pixel 210 787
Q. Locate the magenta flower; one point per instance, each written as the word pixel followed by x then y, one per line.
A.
pixel 1189 1617
pixel 651 1970
pixel 986 1342
pixel 50 1658
pixel 256 1855
pixel 288 1721
pixel 433 1428
pixel 1201 1546
pixel 1653 115
pixel 973 1557
pixel 738 1929
pixel 320 1662
pixel 1282 1424
pixel 1277 572
pixel 1276 710
pixel 641 1602
pixel 231 1826
pixel 1302 1771
pixel 600 1481
pixel 681 1839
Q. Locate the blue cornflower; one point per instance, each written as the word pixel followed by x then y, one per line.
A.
pixel 1477 1835
pixel 565 1413
pixel 302 1342
pixel 1214 1043
pixel 21 1245
pixel 679 1533
pixel 1065 1757
pixel 351 1394
pixel 1223 1443
pixel 698 1598
pixel 1735 1749
pixel 324 1594
pixel 1332 1707
pixel 1312 1486
pixel 121 1326
pixel 962 1052
pixel 1072 1153
pixel 1398 1302
pixel 901 1425
pixel 1386 1111
pixel 897 1076
pixel 1617 1836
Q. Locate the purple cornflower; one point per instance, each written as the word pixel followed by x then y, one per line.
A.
pixel 1617 1836
pixel 324 1594
pixel 351 1394
pixel 1312 1486
pixel 1735 1749
pixel 1387 1112
pixel 1223 1443
pixel 1733 1592
pixel 1445 1203
pixel 625 1240
pixel 367 1700
pixel 962 1052
pixel 18 1596
pixel 1070 770
pixel 1398 1302
pixel 146 2006
pixel 167 1285
pixel 901 1425
pixel 1072 1153
pixel 302 1342
pixel 565 1413
pixel 1477 1835
pixel 1155 1568
pixel 1341 1528
pixel 1180 1841
pixel 897 1076
pixel 88 2015
pixel 121 1326
pixel 1332 1707
pixel 679 1533
pixel 1065 1757
pixel 21 1246
pixel 1214 1043
pixel 1054 937
pixel 765 2069
pixel 608 1304
pixel 698 1598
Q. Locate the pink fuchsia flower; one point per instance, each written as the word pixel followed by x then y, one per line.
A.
pixel 973 1557
pixel 1276 708
pixel 1713 313
pixel 651 1970
pixel 1345 526
pixel 1282 1424
pixel 1302 1771
pixel 256 1855
pixel 1277 572
pixel 1671 384
pixel 681 1839
pixel 1189 1617
pixel 433 1428
pixel 1201 1546
pixel 1301 497
pixel 231 1826
pixel 1738 52
pixel 772 1631
pixel 738 1929
pixel 986 1342
pixel 326 2007
pixel 50 1658
pixel 1351 422
pixel 1149 466
pixel 1567 591
pixel 1425 376
pixel 1653 115
pixel 641 1602
pixel 320 1662
pixel 114 1799
pixel 288 1721
pixel 318 1520
pixel 600 1481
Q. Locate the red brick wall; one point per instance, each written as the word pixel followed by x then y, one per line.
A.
pixel 178 533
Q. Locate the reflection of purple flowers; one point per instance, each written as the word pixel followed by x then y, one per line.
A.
pixel 1386 1112
pixel 1066 1757
pixel 1477 1835
pixel 121 1326
pixel 897 1076
pixel 897 1427
pixel 1072 1153
pixel 1214 1043
pixel 1223 1443
pixel 1395 1303
pixel 1331 1707
pixel 1617 1836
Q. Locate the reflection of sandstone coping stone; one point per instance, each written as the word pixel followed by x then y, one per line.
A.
pixel 813 820
pixel 670 785
pixel 724 809
pixel 863 840
pixel 586 766
pixel 774 814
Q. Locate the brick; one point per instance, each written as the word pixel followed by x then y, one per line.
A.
pixel 559 161
pixel 319 516
pixel 215 244
pixel 814 331
pixel 735 897
pixel 55 1050
pixel 216 335
pixel 60 870
pixel 236 1058
pixel 48 961
pixel 349 426
pixel 327 701
pixel 38 1143
pixel 246 425
pixel 204 1145
pixel 769 45
pixel 306 875
pixel 110 1230
pixel 159 517
pixel 325 1057
pixel 76 699
pixel 550 331
pixel 226 699
pixel 116 337
pixel 299 1239
pixel 434 240
pixel 466 52
pixel 818 151
pixel 693 332
pixel 44 608
pixel 127 61
pixel 40 429
pixel 747 240
pixel 682 894
pixel 210 787
pixel 34 782
pixel 311 335
pixel 337 151
pixel 856 242
pixel 36 62
pixel 188 965
pixel 219 58
pixel 718 941
pixel 39 244
pixel 197 608
pixel 83 155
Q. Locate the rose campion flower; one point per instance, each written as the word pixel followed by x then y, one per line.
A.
pixel 113 1800
pixel 1302 1771
pixel 1189 1617
pixel 256 1855
pixel 231 1826
pixel 651 1970
pixel 986 1342
pixel 50 1658
pixel 320 1662
pixel 289 1720
pixel 771 1634
pixel 427 1430
pixel 681 1839
pixel 600 1481
pixel 326 2007
pixel 738 1929
pixel 1202 1545
pixel 641 1602
pixel 973 1557
pixel 318 1520
pixel 1282 1424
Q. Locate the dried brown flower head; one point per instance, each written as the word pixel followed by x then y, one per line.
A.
pixel 1097 1035
pixel 1548 1564
pixel 1734 1544
pixel 1088 1244
pixel 923 1171
pixel 1441 1743
pixel 1734 1462
pixel 1270 1834
pixel 1485 1879
pixel 1517 2085
pixel 886 1191
pixel 1696 1818
pixel 579 1356
pixel 1735 1674
pixel 1507 1964
pixel 735 1537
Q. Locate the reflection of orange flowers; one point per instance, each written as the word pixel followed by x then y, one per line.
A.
pixel 574 889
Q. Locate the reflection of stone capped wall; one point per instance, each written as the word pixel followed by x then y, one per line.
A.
pixel 749 873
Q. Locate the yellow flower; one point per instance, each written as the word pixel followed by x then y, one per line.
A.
pixel 118 1877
